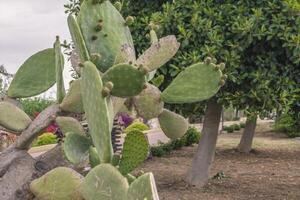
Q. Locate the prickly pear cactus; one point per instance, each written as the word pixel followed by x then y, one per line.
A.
pixel 135 151
pixel 173 125
pixel 104 182
pixel 69 124
pixel 35 76
pixel 60 184
pixel 59 66
pixel 73 101
pixel 93 157
pixel 13 118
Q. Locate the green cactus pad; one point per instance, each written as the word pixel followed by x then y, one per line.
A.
pixel 159 53
pixel 73 101
pixel 93 157
pixel 60 184
pixel 130 178
pixel 13 118
pixel 143 188
pixel 69 124
pixel 104 31
pixel 196 83
pixel 104 182
pixel 128 81
pixel 78 38
pixel 59 65
pixel 35 76
pixel 135 151
pixel 148 103
pixel 125 54
pixel 173 125
pixel 76 147
pixel 96 111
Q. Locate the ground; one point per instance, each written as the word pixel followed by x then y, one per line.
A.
pixel 270 172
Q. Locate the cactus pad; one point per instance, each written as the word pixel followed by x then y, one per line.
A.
pixel 159 53
pixel 173 125
pixel 126 54
pixel 76 147
pixel 73 101
pixel 35 76
pixel 128 81
pixel 135 151
pixel 143 188
pixel 93 157
pixel 148 103
pixel 96 111
pixel 69 124
pixel 196 83
pixel 60 184
pixel 59 66
pixel 104 182
pixel 104 31
pixel 13 118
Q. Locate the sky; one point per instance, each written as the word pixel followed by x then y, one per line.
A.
pixel 28 26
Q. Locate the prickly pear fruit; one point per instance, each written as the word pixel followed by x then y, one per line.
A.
pixel 148 103
pixel 173 125
pixel 13 118
pixel 96 110
pixel 73 101
pixel 142 188
pixel 112 36
pixel 159 53
pixel 127 80
pixel 104 182
pixel 76 147
pixel 135 151
pixel 60 184
pixel 69 124
pixel 35 76
pixel 196 83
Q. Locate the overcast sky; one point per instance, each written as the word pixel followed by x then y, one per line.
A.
pixel 28 26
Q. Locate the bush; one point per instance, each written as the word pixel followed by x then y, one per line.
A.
pixel 229 129
pixel 137 126
pixel 242 125
pixel 287 125
pixel 236 127
pixel 192 136
pixel 44 139
pixel 34 106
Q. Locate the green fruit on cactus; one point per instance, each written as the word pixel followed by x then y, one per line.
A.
pixel 173 125
pixel 35 76
pixel 148 103
pixel 112 36
pixel 159 53
pixel 59 66
pixel 73 101
pixel 142 188
pixel 60 184
pixel 93 157
pixel 196 83
pixel 127 80
pixel 96 110
pixel 76 147
pixel 135 151
pixel 78 38
pixel 69 124
pixel 104 182
pixel 13 118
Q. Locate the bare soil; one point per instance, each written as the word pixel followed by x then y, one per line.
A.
pixel 270 172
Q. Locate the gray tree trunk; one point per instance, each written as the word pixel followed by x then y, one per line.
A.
pixel 245 144
pixel 198 174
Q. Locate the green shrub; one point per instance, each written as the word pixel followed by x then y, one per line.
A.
pixel 242 125
pixel 137 126
pixel 34 106
pixel 158 151
pixel 192 136
pixel 44 139
pixel 287 125
pixel 229 129
pixel 236 127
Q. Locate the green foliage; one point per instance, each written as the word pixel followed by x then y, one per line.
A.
pixel 33 106
pixel 236 127
pixel 286 124
pixel 140 126
pixel 44 139
pixel 229 129
pixel 192 136
pixel 242 125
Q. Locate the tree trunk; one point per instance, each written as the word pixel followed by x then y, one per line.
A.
pixel 198 174
pixel 245 144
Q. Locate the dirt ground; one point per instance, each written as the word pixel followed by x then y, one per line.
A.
pixel 270 172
